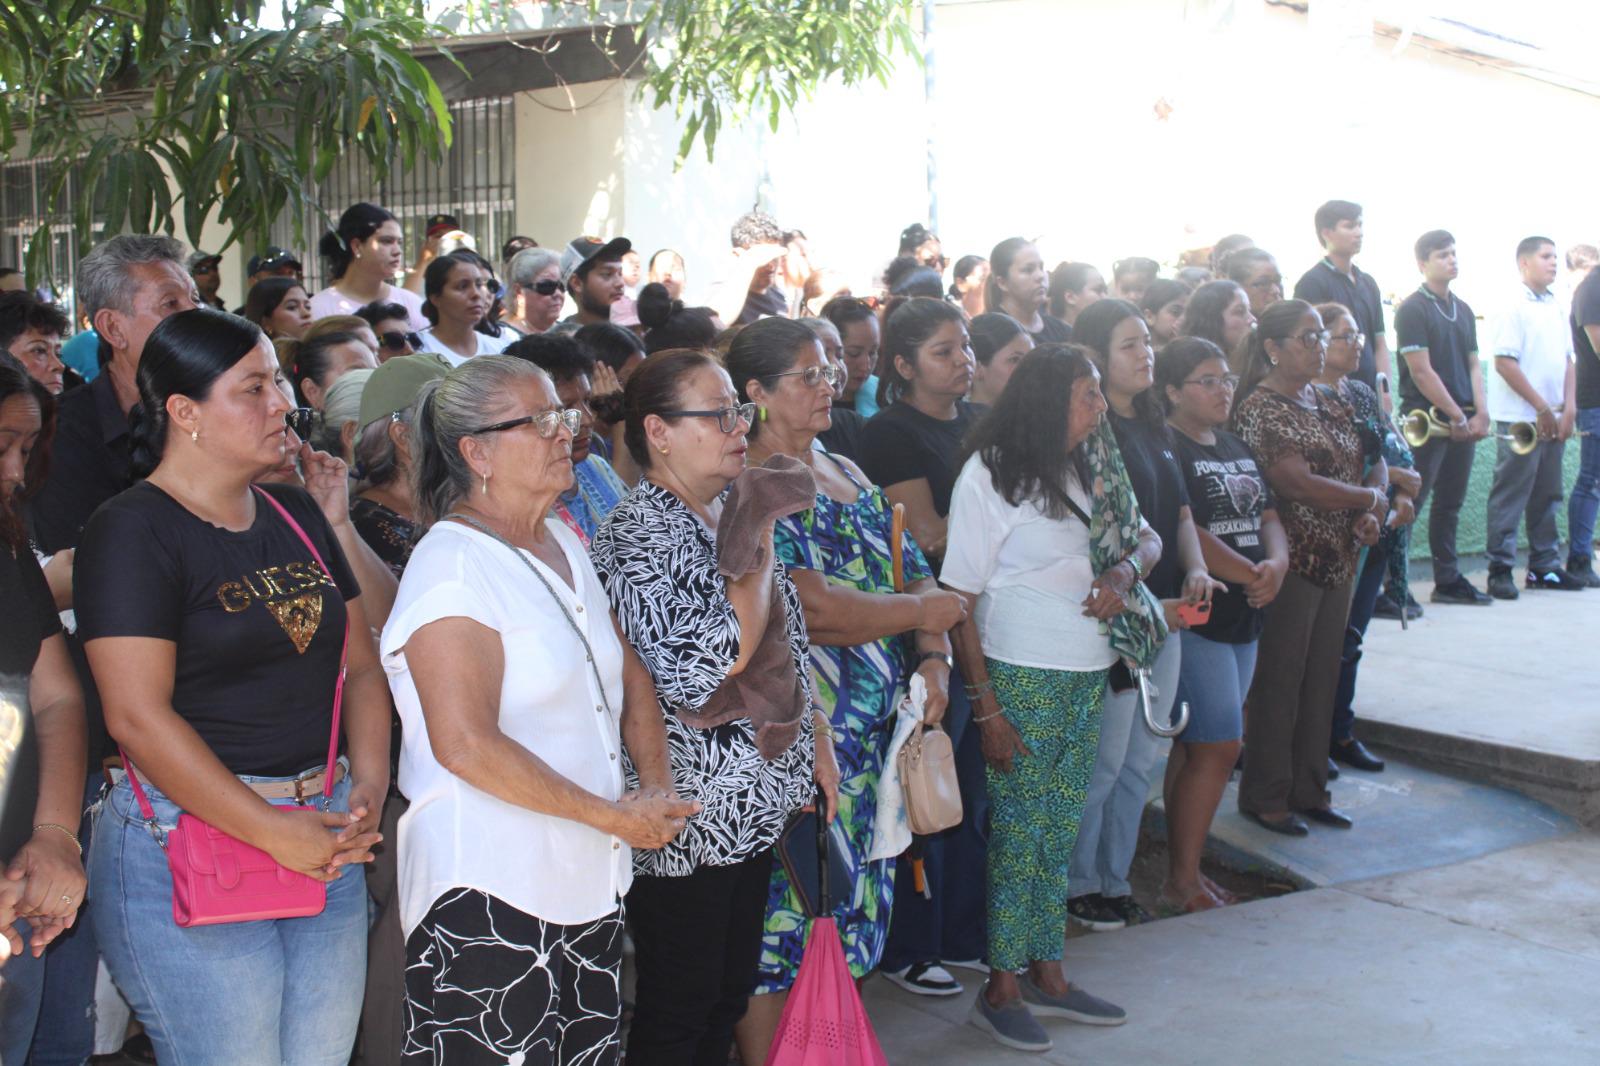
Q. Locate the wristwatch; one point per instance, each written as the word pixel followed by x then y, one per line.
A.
pixel 1132 559
pixel 950 664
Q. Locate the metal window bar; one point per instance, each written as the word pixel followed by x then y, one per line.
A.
pixel 23 210
pixel 475 182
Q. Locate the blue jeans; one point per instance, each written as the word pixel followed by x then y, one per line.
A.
pixel 1368 584
pixel 47 1005
pixel 1214 679
pixel 1109 832
pixel 951 925
pixel 260 993
pixel 1585 502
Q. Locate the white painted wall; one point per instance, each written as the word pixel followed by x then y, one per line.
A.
pixel 1047 128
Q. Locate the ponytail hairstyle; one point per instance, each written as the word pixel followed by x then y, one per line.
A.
pixel 908 324
pixel 907 277
pixel 962 271
pixel 358 222
pixel 845 311
pixel 472 395
pixel 437 276
pixel 1067 278
pixel 308 359
pixel 184 356
pixel 1000 259
pixel 265 296
pixel 669 324
pixel 764 349
pixel 1093 331
pixel 1277 322
pixel 990 332
pixel 1178 360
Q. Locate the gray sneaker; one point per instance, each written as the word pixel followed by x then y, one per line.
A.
pixel 1076 1006
pixel 1012 1025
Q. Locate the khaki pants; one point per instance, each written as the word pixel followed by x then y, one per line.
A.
pixel 1289 711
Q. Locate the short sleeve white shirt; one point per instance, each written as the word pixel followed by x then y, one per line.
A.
pixel 331 301
pixel 1030 572
pixel 487 345
pixel 457 836
pixel 1534 330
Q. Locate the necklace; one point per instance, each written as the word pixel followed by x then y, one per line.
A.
pixel 1438 305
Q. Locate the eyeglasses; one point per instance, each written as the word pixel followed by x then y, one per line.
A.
pixel 812 376
pixel 1354 340
pixel 545 422
pixel 1211 382
pixel 1263 284
pixel 1313 338
pixel 728 418
pixel 396 341
pixel 299 421
pixel 547 287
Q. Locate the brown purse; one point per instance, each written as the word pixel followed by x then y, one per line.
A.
pixel 927 765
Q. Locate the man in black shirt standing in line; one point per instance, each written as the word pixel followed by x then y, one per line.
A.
pixel 1439 371
pixel 1585 500
pixel 1336 279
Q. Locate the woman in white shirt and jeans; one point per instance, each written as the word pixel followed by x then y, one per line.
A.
pixel 515 696
pixel 1035 657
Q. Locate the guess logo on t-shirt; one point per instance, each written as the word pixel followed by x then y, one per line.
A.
pixel 291 593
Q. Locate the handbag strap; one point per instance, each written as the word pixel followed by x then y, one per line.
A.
pixel 146 809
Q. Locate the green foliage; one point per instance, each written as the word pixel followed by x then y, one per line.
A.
pixel 718 62
pixel 239 103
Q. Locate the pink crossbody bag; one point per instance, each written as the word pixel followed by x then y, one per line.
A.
pixel 218 879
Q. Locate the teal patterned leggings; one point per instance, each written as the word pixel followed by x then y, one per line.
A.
pixel 1035 809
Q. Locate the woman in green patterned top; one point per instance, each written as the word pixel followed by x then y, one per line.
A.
pixel 840 558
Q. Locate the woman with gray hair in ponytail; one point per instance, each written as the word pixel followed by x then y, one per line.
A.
pixel 516 697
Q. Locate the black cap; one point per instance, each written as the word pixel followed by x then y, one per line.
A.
pixel 271 258
pixel 441 223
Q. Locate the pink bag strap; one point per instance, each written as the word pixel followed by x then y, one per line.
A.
pixel 146 809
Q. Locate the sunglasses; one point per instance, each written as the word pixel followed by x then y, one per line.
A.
pixel 300 421
pixel 547 423
pixel 728 418
pixel 813 376
pixel 547 287
pixel 396 341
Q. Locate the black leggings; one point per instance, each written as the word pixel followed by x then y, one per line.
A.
pixel 698 939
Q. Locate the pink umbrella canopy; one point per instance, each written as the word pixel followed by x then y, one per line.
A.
pixel 823 1022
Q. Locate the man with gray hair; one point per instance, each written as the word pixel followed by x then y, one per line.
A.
pixel 126 286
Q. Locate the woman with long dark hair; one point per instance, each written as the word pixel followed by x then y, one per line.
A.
pixel 364 254
pixel 279 306
pixel 1019 285
pixel 1219 311
pixel 1046 544
pixel 999 344
pixel 456 297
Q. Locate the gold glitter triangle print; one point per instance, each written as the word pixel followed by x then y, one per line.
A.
pixel 299 618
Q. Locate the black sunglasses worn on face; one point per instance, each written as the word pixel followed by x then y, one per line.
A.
pixel 547 287
pixel 395 340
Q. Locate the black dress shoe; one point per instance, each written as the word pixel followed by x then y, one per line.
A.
pixel 1289 825
pixel 1354 754
pixel 1331 816
pixel 1333 771
pixel 1385 607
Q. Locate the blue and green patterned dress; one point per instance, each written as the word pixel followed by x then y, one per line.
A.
pixel 847 543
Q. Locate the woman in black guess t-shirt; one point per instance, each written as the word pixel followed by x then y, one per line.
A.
pixel 1244 545
pixel 215 637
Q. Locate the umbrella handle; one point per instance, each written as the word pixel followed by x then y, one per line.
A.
pixel 824 904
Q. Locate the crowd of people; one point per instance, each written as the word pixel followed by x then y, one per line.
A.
pixel 525 641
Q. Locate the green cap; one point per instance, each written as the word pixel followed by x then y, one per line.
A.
pixel 395 384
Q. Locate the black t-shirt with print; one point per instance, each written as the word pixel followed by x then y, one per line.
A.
pixel 1227 496
pixel 1153 469
pixel 258 625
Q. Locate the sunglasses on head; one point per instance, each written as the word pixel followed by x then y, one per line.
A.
pixel 396 341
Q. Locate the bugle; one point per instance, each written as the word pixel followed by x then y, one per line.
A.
pixel 1524 436
pixel 1421 426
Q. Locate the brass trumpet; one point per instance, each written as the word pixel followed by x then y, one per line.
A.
pixel 1419 427
pixel 1524 436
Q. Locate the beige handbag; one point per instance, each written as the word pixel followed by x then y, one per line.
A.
pixel 927 765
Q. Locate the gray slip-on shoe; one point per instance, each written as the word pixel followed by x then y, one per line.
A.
pixel 1076 1006
pixel 1011 1025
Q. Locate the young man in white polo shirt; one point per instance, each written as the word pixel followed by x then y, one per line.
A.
pixel 1534 381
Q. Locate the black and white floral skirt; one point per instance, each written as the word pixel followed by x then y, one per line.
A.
pixel 487 983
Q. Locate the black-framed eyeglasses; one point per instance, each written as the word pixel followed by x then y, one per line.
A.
pixel 1213 382
pixel 1354 340
pixel 300 420
pixel 728 418
pixel 1313 338
pixel 546 423
pixel 397 341
pixel 812 376
pixel 545 287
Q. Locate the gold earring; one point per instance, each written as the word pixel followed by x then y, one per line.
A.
pixel 665 449
pixel 486 483
pixel 194 434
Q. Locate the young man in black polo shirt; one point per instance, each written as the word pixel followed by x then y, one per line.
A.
pixel 1437 338
pixel 1585 499
pixel 1336 279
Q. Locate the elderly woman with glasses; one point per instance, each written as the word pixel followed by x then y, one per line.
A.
pixel 697 905
pixel 1304 438
pixel 516 697
pixel 535 294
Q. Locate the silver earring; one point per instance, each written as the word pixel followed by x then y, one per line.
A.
pixel 486 483
pixel 194 434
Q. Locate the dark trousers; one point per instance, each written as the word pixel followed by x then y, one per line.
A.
pixel 1526 487
pixel 953 923
pixel 1289 711
pixel 1368 584
pixel 383 1015
pixel 1446 467
pixel 697 940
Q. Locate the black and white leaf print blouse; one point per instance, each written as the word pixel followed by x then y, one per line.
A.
pixel 658 563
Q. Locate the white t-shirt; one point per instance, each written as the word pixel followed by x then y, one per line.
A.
pixel 487 345
pixel 1534 331
pixel 455 835
pixel 1030 573
pixel 331 301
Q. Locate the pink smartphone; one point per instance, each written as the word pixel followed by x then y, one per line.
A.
pixel 1195 614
